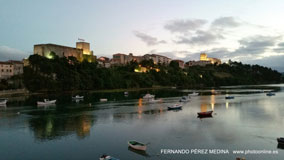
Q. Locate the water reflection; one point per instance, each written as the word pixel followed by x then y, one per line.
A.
pixel 139 152
pixel 50 126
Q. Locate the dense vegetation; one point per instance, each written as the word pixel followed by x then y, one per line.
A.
pixel 61 74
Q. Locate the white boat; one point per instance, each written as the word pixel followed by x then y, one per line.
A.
pixel 193 94
pixel 154 100
pixel 184 99
pixel 46 102
pixel 149 96
pixel 103 100
pixel 175 107
pixel 78 97
pixel 3 102
pixel 125 93
pixel 137 145
pixel 107 157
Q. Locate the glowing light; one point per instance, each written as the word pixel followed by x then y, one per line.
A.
pixel 227 105
pixel 213 102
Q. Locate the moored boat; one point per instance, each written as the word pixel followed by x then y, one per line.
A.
pixel 103 100
pixel 270 94
pixel 137 145
pixel 78 97
pixel 46 102
pixel 193 94
pixel 202 114
pixel 149 96
pixel 175 107
pixel 280 140
pixel 3 102
pixel 107 157
pixel 229 97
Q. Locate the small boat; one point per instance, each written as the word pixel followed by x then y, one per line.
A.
pixel 270 94
pixel 46 102
pixel 103 100
pixel 280 140
pixel 137 145
pixel 184 99
pixel 149 96
pixel 193 94
pixel 78 97
pixel 107 157
pixel 175 107
pixel 125 93
pixel 202 117
pixel 229 97
pixel 205 114
pixel 154 100
pixel 3 102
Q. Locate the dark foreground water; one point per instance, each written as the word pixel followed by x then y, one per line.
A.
pixel 86 129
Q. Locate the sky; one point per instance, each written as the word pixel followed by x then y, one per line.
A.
pixel 250 31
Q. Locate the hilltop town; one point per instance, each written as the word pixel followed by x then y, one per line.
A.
pixel 82 52
pixel 60 68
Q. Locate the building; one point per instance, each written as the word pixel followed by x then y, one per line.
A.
pixel 157 58
pixel 198 63
pixel 119 59
pixel 122 59
pixel 203 57
pixel 10 68
pixel 81 52
pixel 104 62
pixel 180 63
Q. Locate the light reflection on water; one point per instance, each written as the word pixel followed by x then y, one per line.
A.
pixel 79 131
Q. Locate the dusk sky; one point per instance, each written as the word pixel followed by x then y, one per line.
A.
pixel 250 31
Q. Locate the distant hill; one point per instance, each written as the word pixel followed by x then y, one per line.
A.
pixel 62 74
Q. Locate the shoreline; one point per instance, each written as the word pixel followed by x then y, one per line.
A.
pixel 25 92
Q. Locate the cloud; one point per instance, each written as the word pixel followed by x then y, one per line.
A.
pixel 256 45
pixel 225 22
pixel 280 48
pixel 183 26
pixel 149 40
pixel 7 53
pixel 200 38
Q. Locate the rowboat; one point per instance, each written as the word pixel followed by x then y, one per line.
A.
pixel 270 94
pixel 193 94
pixel 137 145
pixel 175 107
pixel 3 102
pixel 229 97
pixel 280 140
pixel 103 100
pixel 78 97
pixel 149 96
pixel 46 102
pixel 205 114
pixel 107 157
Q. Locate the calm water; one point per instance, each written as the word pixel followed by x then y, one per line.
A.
pixel 77 130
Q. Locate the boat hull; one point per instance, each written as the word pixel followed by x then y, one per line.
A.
pixel 229 97
pixel 280 140
pixel 175 108
pixel 138 147
pixel 3 102
pixel 46 103
pixel 205 114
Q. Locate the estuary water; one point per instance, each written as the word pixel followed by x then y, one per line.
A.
pixel 84 130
